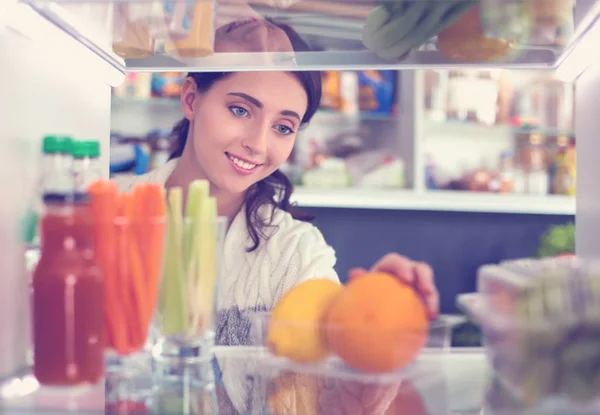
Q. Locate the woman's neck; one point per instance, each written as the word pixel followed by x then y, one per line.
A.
pixel 186 171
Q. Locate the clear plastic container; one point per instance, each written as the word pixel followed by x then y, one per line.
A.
pixel 440 330
pixel 541 359
pixel 279 387
pixel 541 287
pixel 333 367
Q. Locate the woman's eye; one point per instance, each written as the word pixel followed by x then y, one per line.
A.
pixel 238 111
pixel 282 129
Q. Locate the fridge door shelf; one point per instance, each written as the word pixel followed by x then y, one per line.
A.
pixel 335 34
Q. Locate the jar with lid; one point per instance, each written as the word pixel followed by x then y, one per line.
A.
pixel 533 163
pixel 473 96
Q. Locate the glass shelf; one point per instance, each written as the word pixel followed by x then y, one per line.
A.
pixel 435 201
pixel 322 34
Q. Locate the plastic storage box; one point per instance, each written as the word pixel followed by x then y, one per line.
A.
pixel 287 387
pixel 540 321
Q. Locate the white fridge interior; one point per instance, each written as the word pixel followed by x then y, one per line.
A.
pixel 51 83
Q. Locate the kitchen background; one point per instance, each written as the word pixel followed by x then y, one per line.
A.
pixel 456 168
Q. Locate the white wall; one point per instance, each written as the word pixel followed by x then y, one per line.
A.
pixel 587 126
pixel 41 92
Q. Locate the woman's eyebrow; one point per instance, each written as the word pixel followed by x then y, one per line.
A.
pixel 247 98
pixel 259 104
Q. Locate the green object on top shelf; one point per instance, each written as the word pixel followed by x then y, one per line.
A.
pixel 558 240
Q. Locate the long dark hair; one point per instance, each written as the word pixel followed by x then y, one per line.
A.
pixel 276 189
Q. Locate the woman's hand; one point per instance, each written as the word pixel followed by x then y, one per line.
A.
pixel 417 274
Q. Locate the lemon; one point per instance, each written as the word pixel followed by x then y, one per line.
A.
pixel 295 324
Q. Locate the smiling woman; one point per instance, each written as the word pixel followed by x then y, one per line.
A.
pixel 238 129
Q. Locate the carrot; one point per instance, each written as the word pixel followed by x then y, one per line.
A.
pixel 122 277
pixel 104 208
pixel 156 224
pixel 136 283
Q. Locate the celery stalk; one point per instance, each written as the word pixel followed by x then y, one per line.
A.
pixel 174 303
pixel 206 276
pixel 197 193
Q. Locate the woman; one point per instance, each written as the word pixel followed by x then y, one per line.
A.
pixel 238 128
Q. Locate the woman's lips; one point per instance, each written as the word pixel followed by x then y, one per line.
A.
pixel 242 166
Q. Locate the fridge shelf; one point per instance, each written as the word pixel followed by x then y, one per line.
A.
pixel 306 34
pixel 438 201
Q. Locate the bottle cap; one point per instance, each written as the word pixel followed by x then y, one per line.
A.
pixel 80 149
pixel 50 144
pixel 94 148
pixel 65 144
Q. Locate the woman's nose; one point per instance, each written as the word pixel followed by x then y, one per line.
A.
pixel 255 141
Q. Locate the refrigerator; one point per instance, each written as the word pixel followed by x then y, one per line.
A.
pixel 57 69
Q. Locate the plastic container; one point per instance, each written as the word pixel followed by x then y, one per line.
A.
pixel 540 321
pixel 541 360
pixel 439 339
pixel 258 383
pixel 529 288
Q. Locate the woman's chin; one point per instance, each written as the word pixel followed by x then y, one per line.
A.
pixel 236 186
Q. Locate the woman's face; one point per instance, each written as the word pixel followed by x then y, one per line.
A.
pixel 244 127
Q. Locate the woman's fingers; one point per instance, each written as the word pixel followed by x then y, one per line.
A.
pixel 418 274
pixel 425 284
pixel 397 265
pixel 356 272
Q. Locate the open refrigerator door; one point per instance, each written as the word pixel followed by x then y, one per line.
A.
pixel 50 84
pixel 57 71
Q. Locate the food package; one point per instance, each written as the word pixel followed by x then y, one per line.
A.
pixel 201 39
pixel 377 91
pixel 163 19
pixel 332 94
pixel 167 84
pixel 465 40
pixel 130 40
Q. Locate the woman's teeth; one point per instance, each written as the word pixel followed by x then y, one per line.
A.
pixel 241 163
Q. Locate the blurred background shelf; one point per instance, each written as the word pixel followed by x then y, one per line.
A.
pixel 356 198
pixel 377 162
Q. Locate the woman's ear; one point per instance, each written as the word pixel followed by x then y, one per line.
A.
pixel 188 97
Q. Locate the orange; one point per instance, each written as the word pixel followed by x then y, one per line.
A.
pixel 376 324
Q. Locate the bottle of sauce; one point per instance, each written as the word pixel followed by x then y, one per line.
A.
pixel 67 295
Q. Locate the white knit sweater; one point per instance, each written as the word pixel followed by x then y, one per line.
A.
pixel 293 252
